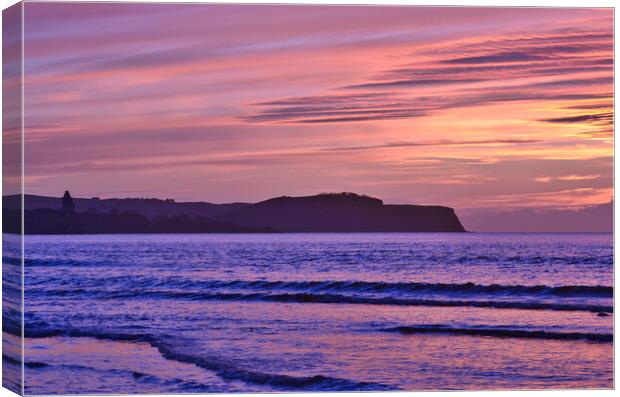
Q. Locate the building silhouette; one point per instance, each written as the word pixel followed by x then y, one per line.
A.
pixel 68 207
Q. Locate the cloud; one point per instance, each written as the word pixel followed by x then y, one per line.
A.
pixel 599 134
pixel 413 83
pixel 588 106
pixel 336 108
pixel 505 57
pixel 543 179
pixel 577 177
pixel 334 115
pixel 576 83
pixel 439 143
pixel 385 115
pixel 554 66
pixel 340 108
pixel 417 104
pixel 577 197
pixel 594 118
pixel 580 219
pixel 572 177
pixel 531 53
pixel 493 72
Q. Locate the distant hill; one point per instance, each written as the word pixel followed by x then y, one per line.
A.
pixel 46 221
pixel 333 212
pixel 344 212
pixel 148 207
pixel 591 219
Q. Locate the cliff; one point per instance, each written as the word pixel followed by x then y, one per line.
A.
pixel 342 212
pixel 345 212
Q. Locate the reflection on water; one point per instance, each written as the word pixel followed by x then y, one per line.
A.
pixel 301 312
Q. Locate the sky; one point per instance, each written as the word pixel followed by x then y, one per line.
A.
pixel 472 108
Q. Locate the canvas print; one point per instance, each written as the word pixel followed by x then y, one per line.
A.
pixel 224 198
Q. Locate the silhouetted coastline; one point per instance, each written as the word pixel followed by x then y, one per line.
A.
pixel 333 212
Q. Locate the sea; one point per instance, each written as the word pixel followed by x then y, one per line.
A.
pixel 212 313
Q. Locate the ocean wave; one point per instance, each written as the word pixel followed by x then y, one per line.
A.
pixel 11 321
pixel 576 291
pixel 11 360
pixel 593 291
pixel 141 377
pixel 29 262
pixel 11 260
pixel 328 298
pixel 367 286
pixel 499 332
pixel 229 371
pixel 224 370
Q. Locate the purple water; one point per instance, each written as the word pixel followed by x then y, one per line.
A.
pixel 308 312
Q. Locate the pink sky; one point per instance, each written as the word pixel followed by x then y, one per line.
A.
pixel 466 107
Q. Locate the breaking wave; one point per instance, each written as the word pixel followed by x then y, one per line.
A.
pixel 500 332
pixel 225 370
pixel 331 298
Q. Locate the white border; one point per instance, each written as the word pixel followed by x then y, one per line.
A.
pixel 484 3
pixel 472 3
pixel 23 246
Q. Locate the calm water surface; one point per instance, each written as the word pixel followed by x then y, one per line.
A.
pixel 311 312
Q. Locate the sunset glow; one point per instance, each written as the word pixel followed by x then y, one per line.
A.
pixel 466 107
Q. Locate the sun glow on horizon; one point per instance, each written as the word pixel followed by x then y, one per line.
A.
pixel 510 107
